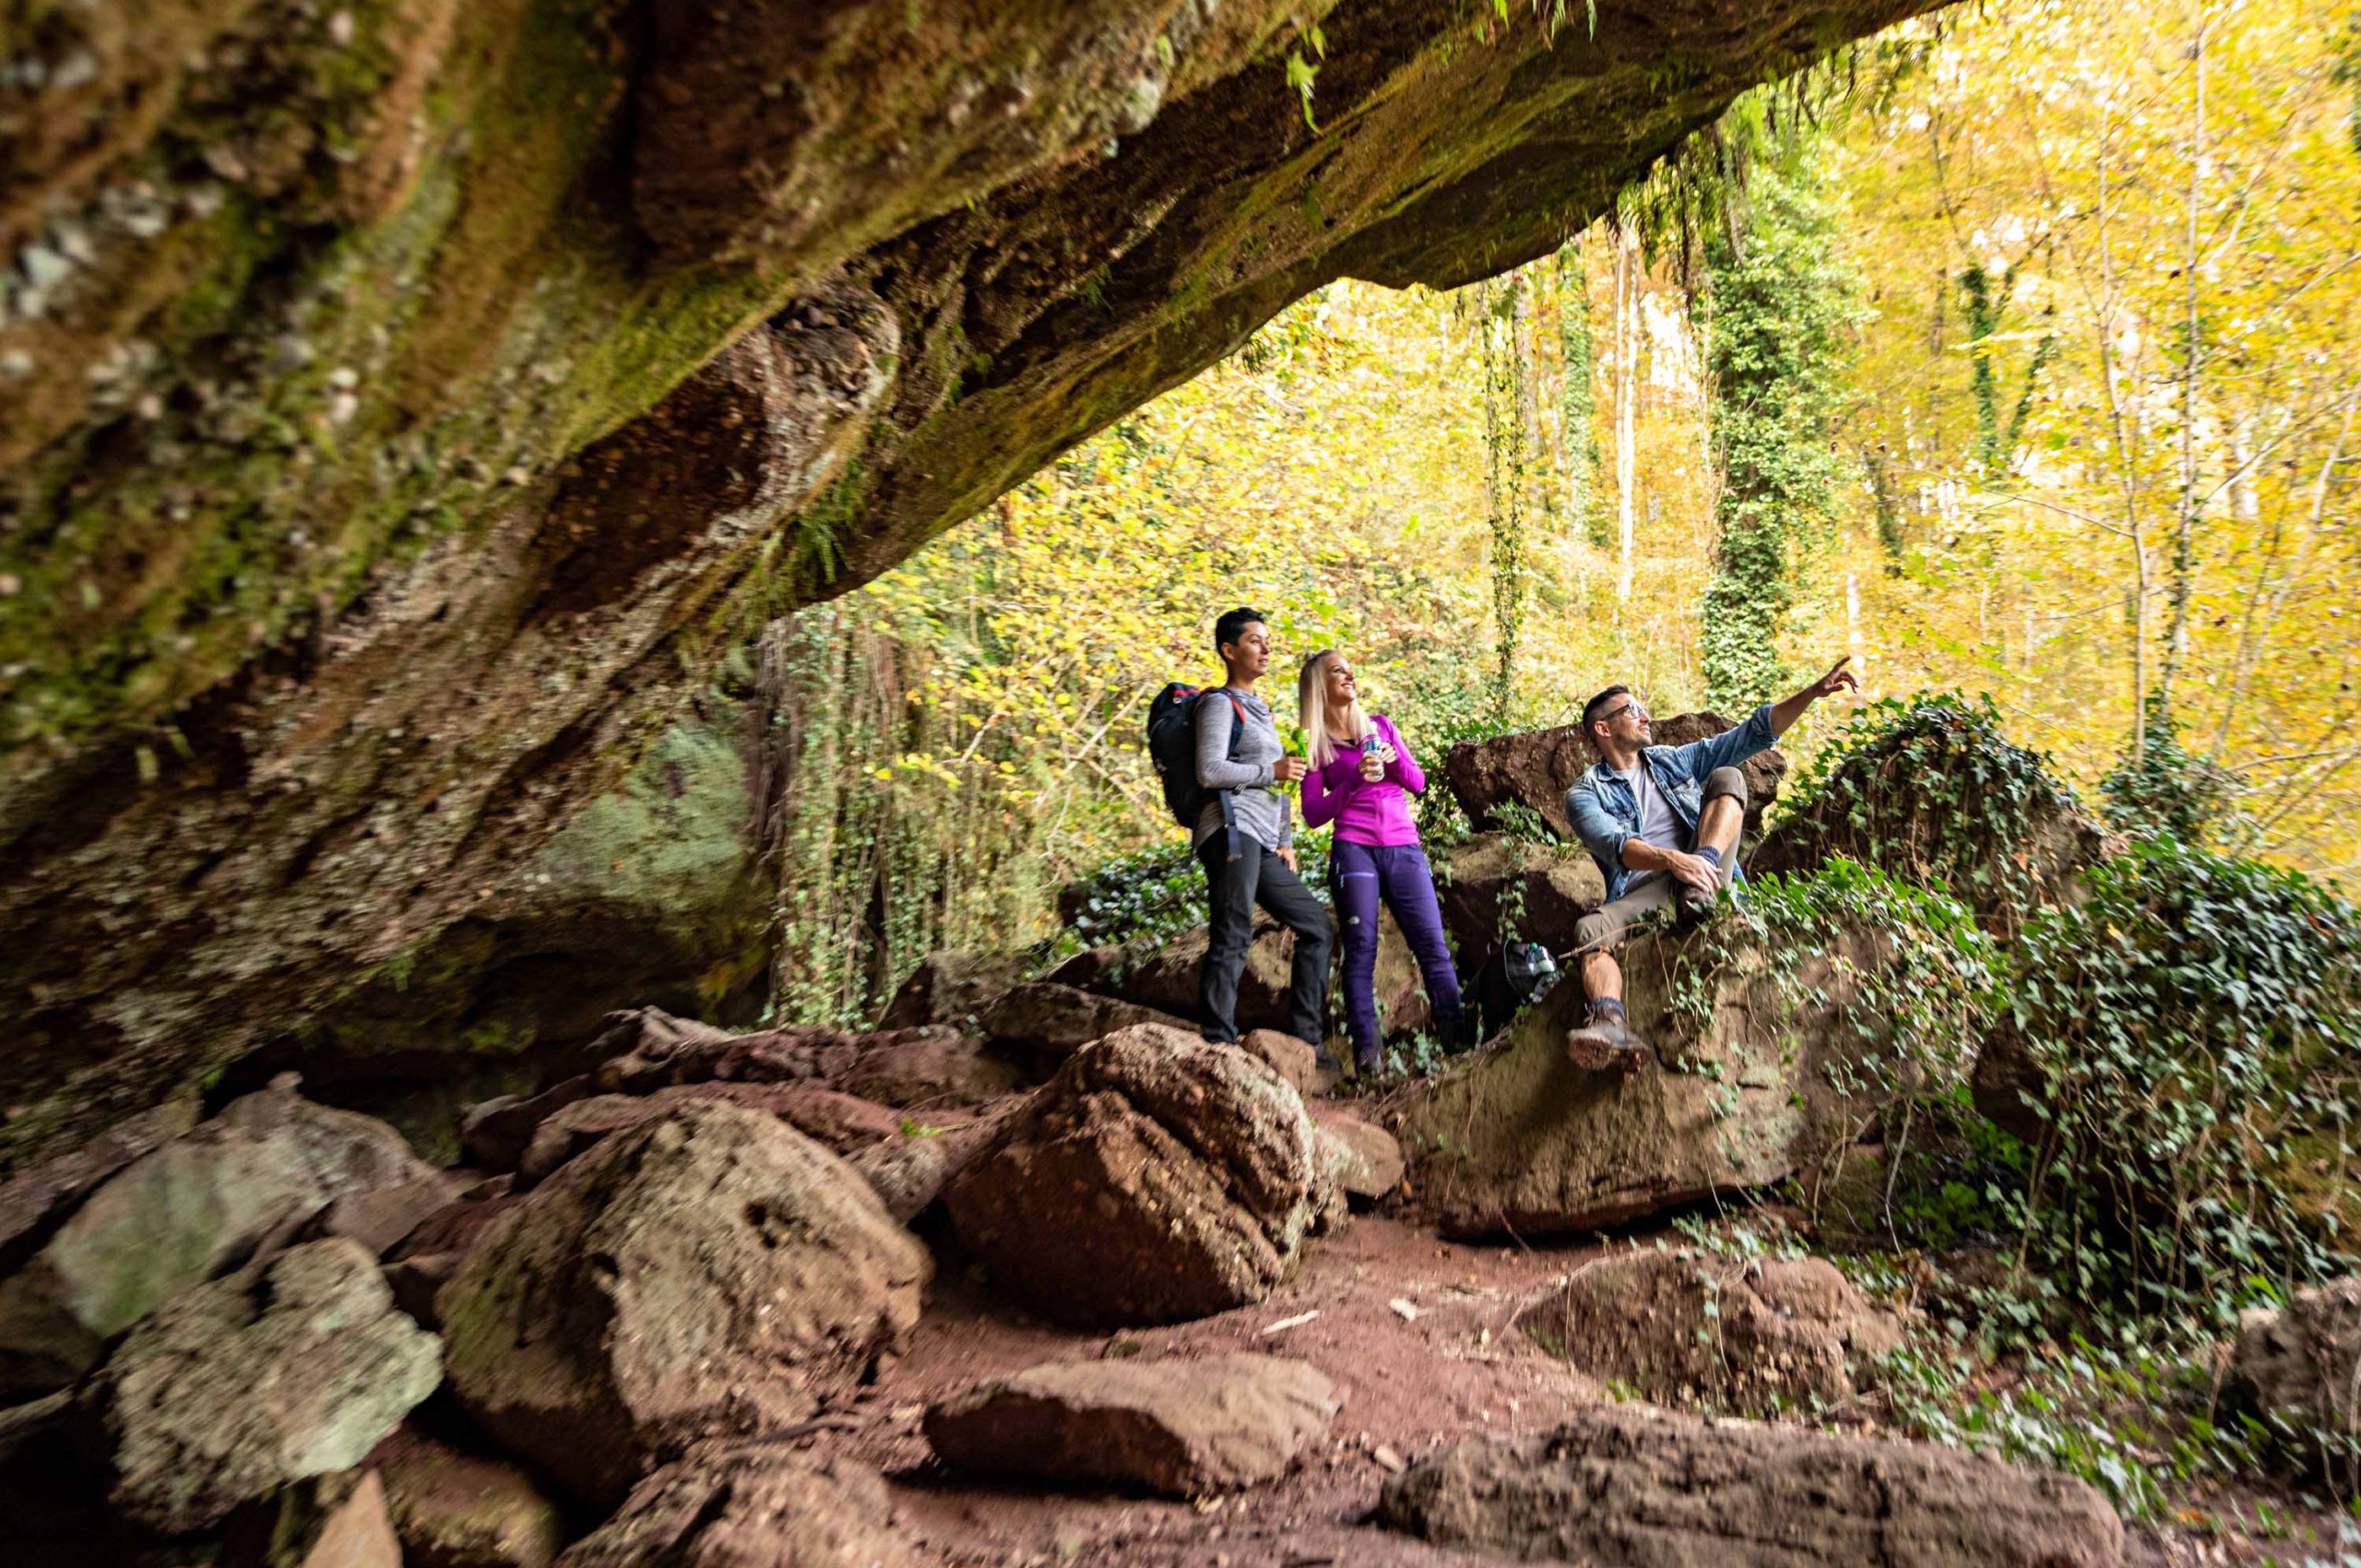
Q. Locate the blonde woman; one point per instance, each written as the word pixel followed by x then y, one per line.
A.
pixel 1361 778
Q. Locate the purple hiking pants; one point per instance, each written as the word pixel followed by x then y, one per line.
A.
pixel 1359 874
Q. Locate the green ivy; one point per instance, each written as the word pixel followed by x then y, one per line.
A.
pixel 2163 790
pixel 2194 1029
pixel 1161 892
pixel 1780 301
pixel 1929 788
pixel 1915 1015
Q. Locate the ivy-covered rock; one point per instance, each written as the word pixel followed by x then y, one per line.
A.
pixel 1496 887
pixel 2179 1054
pixel 2297 1368
pixel 1779 1032
pixel 1930 789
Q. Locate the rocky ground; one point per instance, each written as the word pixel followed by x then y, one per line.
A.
pixel 1032 1274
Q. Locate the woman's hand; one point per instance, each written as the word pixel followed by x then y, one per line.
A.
pixel 1373 765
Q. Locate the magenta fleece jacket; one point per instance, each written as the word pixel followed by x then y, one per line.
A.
pixel 1364 812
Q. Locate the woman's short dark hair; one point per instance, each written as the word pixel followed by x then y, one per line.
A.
pixel 1590 714
pixel 1232 625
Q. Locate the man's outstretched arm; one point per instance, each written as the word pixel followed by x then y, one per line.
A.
pixel 1787 710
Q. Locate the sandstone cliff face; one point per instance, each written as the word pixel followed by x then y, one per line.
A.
pixel 403 403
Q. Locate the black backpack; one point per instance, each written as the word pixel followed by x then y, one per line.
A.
pixel 1515 978
pixel 1172 746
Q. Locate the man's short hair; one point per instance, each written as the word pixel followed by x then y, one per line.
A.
pixel 1232 625
pixel 1591 710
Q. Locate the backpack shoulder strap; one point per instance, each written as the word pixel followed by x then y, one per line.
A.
pixel 1237 710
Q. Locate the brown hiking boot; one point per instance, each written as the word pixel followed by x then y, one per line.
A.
pixel 1604 1043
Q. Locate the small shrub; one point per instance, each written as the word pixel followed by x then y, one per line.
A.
pixel 2166 790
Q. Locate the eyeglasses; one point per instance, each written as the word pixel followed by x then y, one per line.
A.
pixel 1632 707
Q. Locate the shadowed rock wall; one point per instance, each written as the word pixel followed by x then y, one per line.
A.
pixel 403 403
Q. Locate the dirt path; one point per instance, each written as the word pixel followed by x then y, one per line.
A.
pixel 1405 1381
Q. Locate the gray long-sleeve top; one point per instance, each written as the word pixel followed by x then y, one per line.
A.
pixel 1260 809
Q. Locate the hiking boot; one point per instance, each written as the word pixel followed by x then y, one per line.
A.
pixel 1604 1042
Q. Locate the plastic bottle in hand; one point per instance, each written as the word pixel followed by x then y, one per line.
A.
pixel 1375 754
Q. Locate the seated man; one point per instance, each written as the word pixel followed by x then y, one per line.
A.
pixel 1662 822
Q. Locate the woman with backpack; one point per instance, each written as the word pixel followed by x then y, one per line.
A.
pixel 1361 778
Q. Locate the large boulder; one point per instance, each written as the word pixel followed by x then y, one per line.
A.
pixel 1737 1093
pixel 1535 768
pixel 750 1507
pixel 711 1273
pixel 953 988
pixel 35 1201
pixel 2298 1366
pixel 843 1123
pixel 1161 973
pixel 1753 1336
pixel 454 1508
pixel 1051 1021
pixel 1180 1427
pixel 1635 1486
pixel 291 1368
pixel 1156 1177
pixel 1496 887
pixel 182 1214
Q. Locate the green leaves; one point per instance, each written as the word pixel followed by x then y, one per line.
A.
pixel 2196 1029
pixel 1301 73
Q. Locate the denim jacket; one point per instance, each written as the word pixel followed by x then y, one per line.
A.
pixel 1606 811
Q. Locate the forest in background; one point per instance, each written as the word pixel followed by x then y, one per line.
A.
pixel 2008 357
